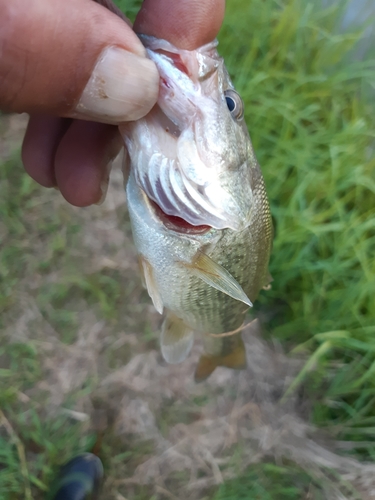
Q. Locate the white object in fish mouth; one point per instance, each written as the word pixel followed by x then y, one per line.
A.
pixel 192 154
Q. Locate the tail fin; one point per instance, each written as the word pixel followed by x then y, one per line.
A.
pixel 207 364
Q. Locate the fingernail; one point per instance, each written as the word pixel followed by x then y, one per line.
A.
pixel 104 184
pixel 122 87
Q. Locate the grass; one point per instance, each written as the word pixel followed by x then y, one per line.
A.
pixel 312 127
pixel 268 481
pixel 313 134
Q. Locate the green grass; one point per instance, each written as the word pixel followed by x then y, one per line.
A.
pixel 313 132
pixel 267 481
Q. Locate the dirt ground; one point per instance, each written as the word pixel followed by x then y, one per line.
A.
pixel 81 302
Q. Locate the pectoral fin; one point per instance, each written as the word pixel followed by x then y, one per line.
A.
pixel 149 282
pixel 216 276
pixel 207 364
pixel 176 339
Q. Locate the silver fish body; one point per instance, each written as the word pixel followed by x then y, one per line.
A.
pixel 198 206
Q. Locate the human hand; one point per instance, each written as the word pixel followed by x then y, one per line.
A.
pixel 76 60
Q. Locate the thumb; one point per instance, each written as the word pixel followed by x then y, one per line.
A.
pixel 73 58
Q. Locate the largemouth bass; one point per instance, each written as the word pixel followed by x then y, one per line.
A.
pixel 198 206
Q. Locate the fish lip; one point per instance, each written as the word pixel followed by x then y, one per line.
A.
pixel 173 223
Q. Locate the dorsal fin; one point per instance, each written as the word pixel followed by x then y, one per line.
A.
pixel 176 339
pixel 216 276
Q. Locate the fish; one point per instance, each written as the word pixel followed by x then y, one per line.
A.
pixel 198 207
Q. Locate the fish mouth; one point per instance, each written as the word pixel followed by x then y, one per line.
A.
pixel 174 223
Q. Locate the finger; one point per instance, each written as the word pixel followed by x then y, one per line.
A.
pixel 187 24
pixel 73 58
pixel 43 135
pixel 82 161
pixel 110 5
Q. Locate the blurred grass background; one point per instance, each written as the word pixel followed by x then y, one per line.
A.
pixel 310 111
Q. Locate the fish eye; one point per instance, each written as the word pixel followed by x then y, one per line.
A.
pixel 230 103
pixel 234 103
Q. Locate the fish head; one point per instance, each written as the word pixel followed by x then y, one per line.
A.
pixel 192 153
pixel 198 97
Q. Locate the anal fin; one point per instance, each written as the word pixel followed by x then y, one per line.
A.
pixel 176 339
pixel 236 360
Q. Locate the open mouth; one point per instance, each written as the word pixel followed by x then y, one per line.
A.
pixel 177 223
